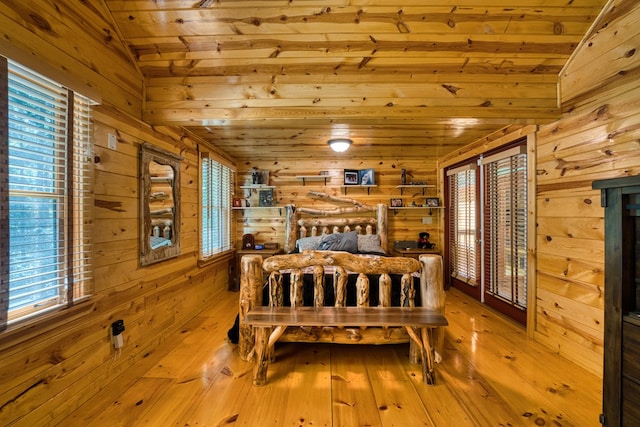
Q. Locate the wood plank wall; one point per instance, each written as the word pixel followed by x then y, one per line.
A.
pixel 598 137
pixel 267 225
pixel 47 371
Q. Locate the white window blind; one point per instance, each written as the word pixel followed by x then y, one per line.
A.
pixel 505 219
pixel 462 223
pixel 49 204
pixel 217 187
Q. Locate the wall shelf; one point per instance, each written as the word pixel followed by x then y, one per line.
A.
pixel 395 209
pixel 423 187
pixel 306 178
pixel 248 208
pixel 368 187
pixel 256 187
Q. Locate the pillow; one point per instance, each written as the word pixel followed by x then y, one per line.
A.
pixel 309 243
pixel 347 242
pixel 369 243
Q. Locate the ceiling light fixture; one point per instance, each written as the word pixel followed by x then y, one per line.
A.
pixel 340 145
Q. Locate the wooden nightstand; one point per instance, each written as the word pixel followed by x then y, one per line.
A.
pixel 414 253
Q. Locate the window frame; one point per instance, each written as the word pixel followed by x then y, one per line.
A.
pixel 69 148
pixel 211 168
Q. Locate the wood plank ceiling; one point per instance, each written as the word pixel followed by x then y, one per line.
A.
pixel 402 78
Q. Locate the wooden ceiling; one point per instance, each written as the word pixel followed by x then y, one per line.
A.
pixel 275 79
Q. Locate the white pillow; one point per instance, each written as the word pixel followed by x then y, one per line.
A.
pixel 309 243
pixel 369 243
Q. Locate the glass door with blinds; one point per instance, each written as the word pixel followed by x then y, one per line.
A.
pixel 463 228
pixel 505 232
pixel 487 229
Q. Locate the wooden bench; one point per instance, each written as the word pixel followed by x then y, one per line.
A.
pixel 420 324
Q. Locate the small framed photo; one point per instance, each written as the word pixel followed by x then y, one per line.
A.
pixel 396 203
pixel 259 177
pixel 433 202
pixel 351 177
pixel 237 202
pixel 367 177
pixel 266 198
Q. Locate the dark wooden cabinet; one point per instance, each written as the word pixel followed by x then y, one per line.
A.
pixel 621 376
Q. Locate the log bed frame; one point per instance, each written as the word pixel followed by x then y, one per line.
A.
pixel 261 326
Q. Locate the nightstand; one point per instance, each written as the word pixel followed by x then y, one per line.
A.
pixel 414 253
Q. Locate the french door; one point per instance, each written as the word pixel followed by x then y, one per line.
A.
pixel 487 229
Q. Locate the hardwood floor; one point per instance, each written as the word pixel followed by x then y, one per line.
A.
pixel 491 375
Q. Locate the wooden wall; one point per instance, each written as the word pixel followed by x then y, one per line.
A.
pixel 404 224
pixel 49 369
pixel 598 137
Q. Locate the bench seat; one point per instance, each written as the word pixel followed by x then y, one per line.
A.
pixel 271 322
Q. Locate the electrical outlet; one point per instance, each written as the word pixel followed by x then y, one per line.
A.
pixel 112 142
pixel 117 328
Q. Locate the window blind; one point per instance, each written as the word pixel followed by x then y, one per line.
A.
pixel 217 185
pixel 505 215
pixel 49 197
pixel 462 223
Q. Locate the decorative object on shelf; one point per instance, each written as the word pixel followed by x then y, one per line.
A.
pixel 237 202
pixel 340 145
pixel 367 177
pixel 323 173
pixel 433 202
pixel 266 198
pixel 271 245
pixel 259 177
pixel 351 177
pixel 396 203
pixel 423 241
pixel 403 177
pixel 248 241
pixel 405 244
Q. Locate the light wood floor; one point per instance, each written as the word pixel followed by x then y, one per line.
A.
pixel 491 375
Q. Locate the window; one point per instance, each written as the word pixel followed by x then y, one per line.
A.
pixel 217 185
pixel 45 195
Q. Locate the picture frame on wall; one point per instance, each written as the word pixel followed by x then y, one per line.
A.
pixel 396 203
pixel 433 202
pixel 366 177
pixel 351 177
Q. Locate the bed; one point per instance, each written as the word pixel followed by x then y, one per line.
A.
pixel 338 258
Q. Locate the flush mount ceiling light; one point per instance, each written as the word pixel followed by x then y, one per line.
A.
pixel 340 145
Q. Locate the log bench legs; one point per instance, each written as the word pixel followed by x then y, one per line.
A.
pixel 262 355
pixel 422 339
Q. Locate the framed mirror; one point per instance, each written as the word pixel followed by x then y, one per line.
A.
pixel 159 204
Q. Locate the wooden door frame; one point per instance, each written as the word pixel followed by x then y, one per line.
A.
pixel 482 146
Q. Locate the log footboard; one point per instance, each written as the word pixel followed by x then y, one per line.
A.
pixel 262 325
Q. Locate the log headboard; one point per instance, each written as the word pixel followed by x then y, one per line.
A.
pixel 336 220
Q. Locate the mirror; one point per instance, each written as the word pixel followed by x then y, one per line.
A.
pixel 159 204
